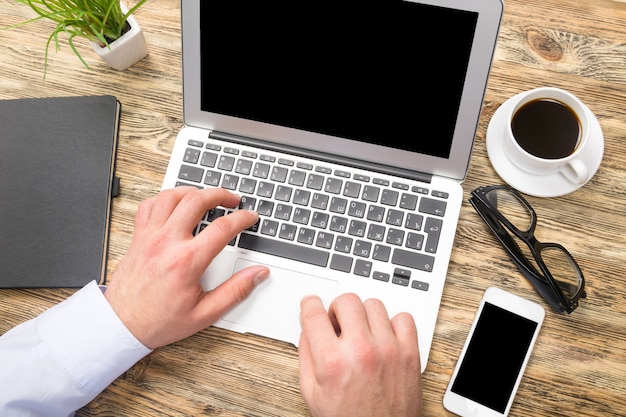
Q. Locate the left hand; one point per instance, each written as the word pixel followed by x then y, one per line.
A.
pixel 156 289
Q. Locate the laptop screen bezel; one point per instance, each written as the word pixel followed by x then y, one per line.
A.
pixel 454 167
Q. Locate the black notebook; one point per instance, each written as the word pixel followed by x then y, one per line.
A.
pixel 57 179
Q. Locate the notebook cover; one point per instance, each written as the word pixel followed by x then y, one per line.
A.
pixel 57 165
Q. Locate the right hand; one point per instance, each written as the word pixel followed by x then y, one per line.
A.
pixel 355 361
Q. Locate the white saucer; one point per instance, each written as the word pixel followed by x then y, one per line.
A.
pixel 552 185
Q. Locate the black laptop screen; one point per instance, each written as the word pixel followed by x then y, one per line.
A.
pixel 382 72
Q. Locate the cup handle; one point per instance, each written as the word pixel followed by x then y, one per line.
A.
pixel 575 171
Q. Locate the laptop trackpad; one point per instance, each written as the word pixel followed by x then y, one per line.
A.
pixel 273 308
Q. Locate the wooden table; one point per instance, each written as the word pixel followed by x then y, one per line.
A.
pixel 579 363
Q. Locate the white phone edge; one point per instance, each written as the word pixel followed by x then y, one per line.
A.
pixel 465 407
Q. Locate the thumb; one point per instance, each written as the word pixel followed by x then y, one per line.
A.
pixel 231 292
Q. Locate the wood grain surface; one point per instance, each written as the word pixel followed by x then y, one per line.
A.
pixel 578 367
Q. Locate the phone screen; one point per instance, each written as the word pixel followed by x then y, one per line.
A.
pixel 494 357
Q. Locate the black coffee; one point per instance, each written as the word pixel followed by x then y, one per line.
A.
pixel 546 128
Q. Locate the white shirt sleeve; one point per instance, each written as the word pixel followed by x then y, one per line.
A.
pixel 61 360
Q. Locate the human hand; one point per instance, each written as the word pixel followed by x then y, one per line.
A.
pixel 354 361
pixel 156 289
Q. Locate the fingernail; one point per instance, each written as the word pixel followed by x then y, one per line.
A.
pixel 261 276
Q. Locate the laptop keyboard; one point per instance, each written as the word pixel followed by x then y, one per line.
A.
pixel 344 219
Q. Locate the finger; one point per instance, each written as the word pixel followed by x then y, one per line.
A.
pixel 306 364
pixel 405 330
pixel 193 205
pixel 316 325
pixel 216 235
pixel 349 313
pixel 403 326
pixel 164 204
pixel 215 303
pixel 378 318
pixel 144 212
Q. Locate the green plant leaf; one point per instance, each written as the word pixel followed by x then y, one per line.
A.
pixel 99 21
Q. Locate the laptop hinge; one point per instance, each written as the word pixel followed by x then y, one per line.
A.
pixel 323 156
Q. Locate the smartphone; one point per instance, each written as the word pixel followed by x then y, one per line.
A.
pixel 495 354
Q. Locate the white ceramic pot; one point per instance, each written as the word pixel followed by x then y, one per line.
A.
pixel 126 50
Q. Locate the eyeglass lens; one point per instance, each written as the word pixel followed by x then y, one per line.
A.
pixel 560 264
pixel 512 208
pixel 563 269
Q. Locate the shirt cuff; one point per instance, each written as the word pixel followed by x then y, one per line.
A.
pixel 89 340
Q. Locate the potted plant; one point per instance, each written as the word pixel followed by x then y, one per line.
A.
pixel 107 24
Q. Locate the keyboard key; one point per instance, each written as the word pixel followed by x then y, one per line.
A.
pixel 356 209
pixel 319 220
pixel 243 166
pixel 376 232
pixel 261 170
pixel 315 182
pixel 381 253
pixel 357 228
pixel 212 178
pixel 394 217
pixel 381 276
pixel 341 263
pixel 395 237
pixel 230 181
pixel 370 193
pixel 287 231
pixel 247 203
pixel 214 214
pixel 190 173
pixel 297 178
pixel 320 201
pixel 283 211
pixel 191 156
pixel 414 241
pixel 408 201
pixel 283 249
pixel 363 268
pixel 301 197
pixel 266 189
pixel 389 197
pixel 283 193
pixel 279 174
pixel 301 215
pixel 343 244
pixel 333 185
pixel 265 208
pixel 269 227
pixel 306 236
pixel 226 163
pixel 209 159
pixel 325 240
pixel 338 224
pixel 433 228
pixel 413 260
pixel 419 285
pixel 414 221
pixel 432 206
pixel 375 213
pixel 352 189
pixel 362 248
pixel 247 185
pixel 338 205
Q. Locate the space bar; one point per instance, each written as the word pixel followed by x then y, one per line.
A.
pixel 283 249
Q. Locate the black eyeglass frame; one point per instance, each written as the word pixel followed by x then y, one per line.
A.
pixel 543 281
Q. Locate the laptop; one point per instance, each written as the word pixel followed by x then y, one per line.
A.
pixel 349 127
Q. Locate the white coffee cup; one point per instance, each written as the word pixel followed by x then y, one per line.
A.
pixel 546 132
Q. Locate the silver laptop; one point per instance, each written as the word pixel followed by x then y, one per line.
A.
pixel 348 126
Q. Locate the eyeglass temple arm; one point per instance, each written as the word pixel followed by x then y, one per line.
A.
pixel 516 255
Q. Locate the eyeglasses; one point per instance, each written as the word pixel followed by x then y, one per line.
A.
pixel 548 266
